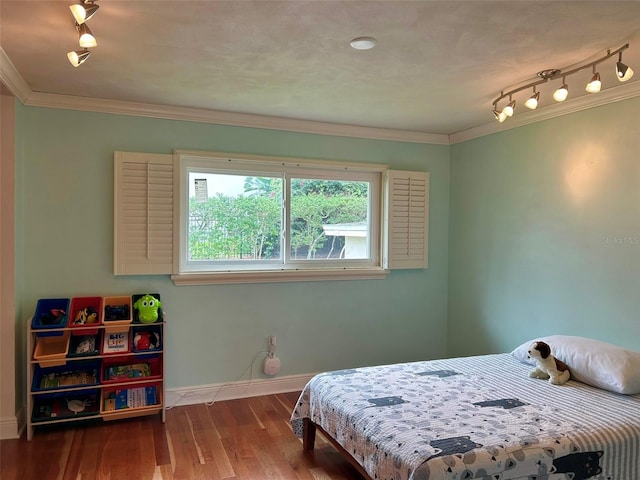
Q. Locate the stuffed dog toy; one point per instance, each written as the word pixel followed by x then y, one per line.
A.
pixel 548 367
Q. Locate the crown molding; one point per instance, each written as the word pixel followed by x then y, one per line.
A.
pixel 10 76
pixel 12 79
pixel 585 102
pixel 39 99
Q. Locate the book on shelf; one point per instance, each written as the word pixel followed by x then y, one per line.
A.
pixel 69 378
pixel 136 397
pixel 115 342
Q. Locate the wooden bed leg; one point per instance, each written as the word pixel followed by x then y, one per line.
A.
pixel 309 430
pixel 308 435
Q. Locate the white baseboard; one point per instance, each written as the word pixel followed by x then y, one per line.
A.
pixel 9 428
pixel 231 391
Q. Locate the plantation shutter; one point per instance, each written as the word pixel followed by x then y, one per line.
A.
pixel 407 226
pixel 143 214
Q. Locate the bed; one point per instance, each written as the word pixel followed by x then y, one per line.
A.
pixel 480 417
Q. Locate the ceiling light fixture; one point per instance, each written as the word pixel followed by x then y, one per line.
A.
pixel 85 37
pixel 532 101
pixel 510 108
pixel 561 94
pixel 83 11
pixel 500 116
pixel 594 84
pixel 78 57
pixel 363 43
pixel 623 73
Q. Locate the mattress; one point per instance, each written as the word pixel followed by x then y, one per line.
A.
pixel 478 417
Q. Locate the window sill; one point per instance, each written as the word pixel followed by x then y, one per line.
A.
pixel 269 276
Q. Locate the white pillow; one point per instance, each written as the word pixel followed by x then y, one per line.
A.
pixel 591 361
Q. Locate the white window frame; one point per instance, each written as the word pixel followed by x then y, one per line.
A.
pixel 186 272
pixel 374 215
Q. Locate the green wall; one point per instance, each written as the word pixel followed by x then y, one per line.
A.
pixel 533 231
pixel 65 224
pixel 545 232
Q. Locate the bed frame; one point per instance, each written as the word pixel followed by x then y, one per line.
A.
pixel 309 441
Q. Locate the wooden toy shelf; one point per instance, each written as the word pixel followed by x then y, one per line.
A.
pixel 100 396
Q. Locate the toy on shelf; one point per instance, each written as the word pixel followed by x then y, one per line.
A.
pixel 86 315
pixel 147 307
pixel 51 313
pixel 83 345
pixel 116 312
pixel 56 406
pixel 146 340
pixel 52 317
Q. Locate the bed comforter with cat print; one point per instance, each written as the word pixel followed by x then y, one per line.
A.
pixel 474 418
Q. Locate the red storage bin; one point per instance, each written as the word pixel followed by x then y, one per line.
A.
pixel 85 313
pixel 131 369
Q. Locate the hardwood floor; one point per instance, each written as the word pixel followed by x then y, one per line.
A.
pixel 247 439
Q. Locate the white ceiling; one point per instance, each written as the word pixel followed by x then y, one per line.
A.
pixel 436 68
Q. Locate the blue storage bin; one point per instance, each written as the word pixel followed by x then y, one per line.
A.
pixel 51 313
pixel 82 373
pixel 151 340
pixel 58 406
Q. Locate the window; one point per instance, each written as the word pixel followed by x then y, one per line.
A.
pixel 208 218
pixel 233 220
pixel 265 214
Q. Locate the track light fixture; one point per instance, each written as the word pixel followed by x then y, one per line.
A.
pixel 78 57
pixel 83 11
pixel 594 84
pixel 507 111
pixel 85 37
pixel 623 73
pixel 561 94
pixel 510 108
pixel 500 116
pixel 532 101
